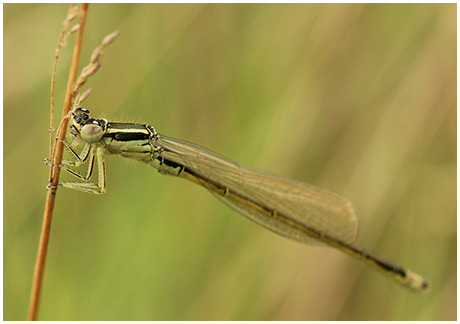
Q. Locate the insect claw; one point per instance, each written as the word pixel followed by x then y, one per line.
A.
pixel 48 163
pixel 50 186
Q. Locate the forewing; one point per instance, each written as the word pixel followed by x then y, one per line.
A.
pixel 319 209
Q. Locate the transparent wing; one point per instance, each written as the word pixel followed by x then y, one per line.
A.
pixel 248 189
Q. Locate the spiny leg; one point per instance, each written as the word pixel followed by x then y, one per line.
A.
pixel 79 158
pixel 86 153
pixel 95 188
pixel 70 167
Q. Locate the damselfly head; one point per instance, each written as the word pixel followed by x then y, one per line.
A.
pixel 86 128
pixel 80 116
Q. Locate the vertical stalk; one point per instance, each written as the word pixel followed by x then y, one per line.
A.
pixel 54 175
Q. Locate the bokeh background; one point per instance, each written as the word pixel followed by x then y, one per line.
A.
pixel 359 99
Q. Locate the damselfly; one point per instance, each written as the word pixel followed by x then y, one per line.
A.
pixel 287 207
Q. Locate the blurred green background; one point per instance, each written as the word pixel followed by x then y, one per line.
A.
pixel 359 99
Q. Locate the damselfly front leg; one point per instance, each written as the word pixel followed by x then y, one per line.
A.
pixel 96 188
pixel 70 166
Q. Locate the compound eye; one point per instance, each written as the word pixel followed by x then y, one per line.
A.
pixel 83 110
pixel 91 133
pixel 81 115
